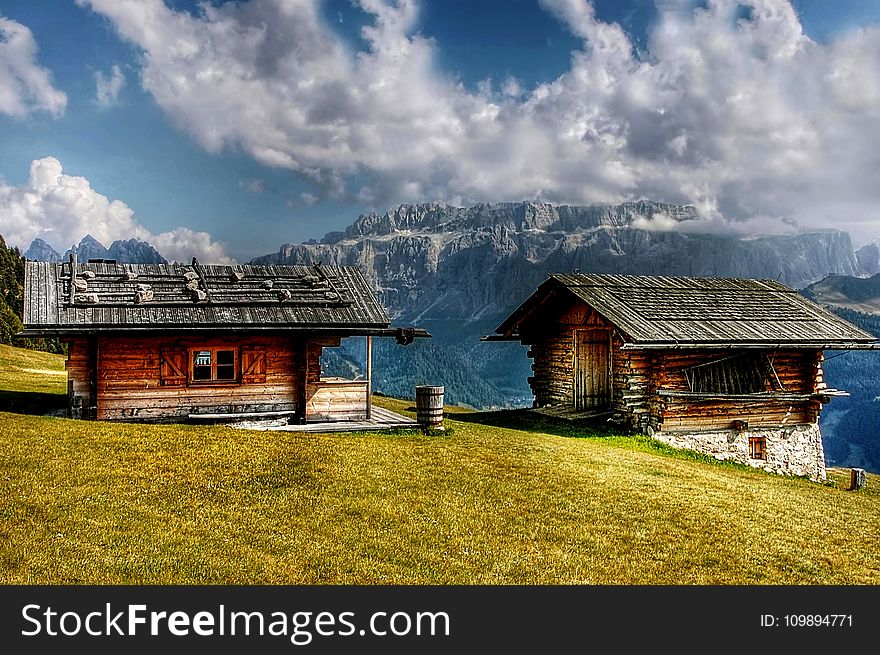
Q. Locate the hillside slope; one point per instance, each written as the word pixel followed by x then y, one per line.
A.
pixel 847 292
pixel 501 498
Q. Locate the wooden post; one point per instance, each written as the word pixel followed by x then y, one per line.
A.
pixel 72 276
pixel 856 479
pixel 92 410
pixel 369 377
pixel 300 360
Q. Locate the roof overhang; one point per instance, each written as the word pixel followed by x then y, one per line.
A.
pixel 806 345
pixel 116 330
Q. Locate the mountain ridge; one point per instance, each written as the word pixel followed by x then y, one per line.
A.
pixel 436 260
pixel 125 251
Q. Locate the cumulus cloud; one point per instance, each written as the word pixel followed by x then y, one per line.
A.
pixel 61 209
pixel 25 86
pixel 739 113
pixel 107 89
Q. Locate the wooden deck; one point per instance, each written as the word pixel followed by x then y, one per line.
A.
pixel 382 419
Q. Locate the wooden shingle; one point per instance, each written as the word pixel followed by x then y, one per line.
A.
pixel 674 312
pixel 196 296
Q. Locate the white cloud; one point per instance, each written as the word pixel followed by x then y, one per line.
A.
pixel 743 117
pixel 254 186
pixel 25 86
pixel 308 199
pixel 107 89
pixel 61 209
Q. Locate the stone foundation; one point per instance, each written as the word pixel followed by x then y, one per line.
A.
pixel 795 450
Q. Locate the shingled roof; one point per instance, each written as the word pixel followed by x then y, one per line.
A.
pixel 109 296
pixel 677 312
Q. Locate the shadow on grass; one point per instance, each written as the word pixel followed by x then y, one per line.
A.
pixel 31 402
pixel 531 421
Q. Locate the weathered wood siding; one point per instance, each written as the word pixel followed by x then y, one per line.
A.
pixel 633 386
pixel 592 369
pixel 131 384
pixel 77 365
pixel 552 341
pixel 335 399
pixel 637 376
pixel 798 372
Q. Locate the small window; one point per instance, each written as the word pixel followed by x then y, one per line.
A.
pixel 758 447
pixel 214 365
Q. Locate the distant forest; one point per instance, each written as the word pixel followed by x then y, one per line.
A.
pixel 11 298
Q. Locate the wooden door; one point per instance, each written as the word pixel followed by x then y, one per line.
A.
pixel 592 389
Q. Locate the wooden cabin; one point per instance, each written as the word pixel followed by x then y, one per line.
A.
pixel 728 367
pixel 171 342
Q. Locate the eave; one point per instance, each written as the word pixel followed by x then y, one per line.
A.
pixel 756 345
pixel 117 330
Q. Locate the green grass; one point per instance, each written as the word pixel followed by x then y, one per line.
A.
pixel 31 382
pixel 494 500
pixel 31 371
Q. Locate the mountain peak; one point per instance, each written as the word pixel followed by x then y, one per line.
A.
pixel 868 257
pixel 88 248
pixel 124 251
pixel 135 251
pixel 40 251
pixel 433 260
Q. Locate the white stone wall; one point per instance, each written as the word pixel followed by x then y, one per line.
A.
pixel 794 450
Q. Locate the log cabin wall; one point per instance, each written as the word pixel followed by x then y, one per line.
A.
pixel 148 378
pixel 777 435
pixel 551 337
pixel 792 372
pixel 633 386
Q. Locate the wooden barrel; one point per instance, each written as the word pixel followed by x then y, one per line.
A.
pixel 429 405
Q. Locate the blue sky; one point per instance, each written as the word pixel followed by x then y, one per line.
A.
pixel 228 131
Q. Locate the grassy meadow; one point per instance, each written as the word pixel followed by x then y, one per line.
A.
pixel 502 498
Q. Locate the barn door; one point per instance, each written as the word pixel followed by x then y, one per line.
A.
pixel 592 389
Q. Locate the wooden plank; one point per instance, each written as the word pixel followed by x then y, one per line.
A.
pixel 592 389
pixel 369 391
pixel 383 420
pixel 241 415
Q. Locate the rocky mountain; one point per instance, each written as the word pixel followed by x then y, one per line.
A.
pixel 127 251
pixel 432 261
pixel 134 251
pixel 868 257
pixel 88 248
pixel 40 251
